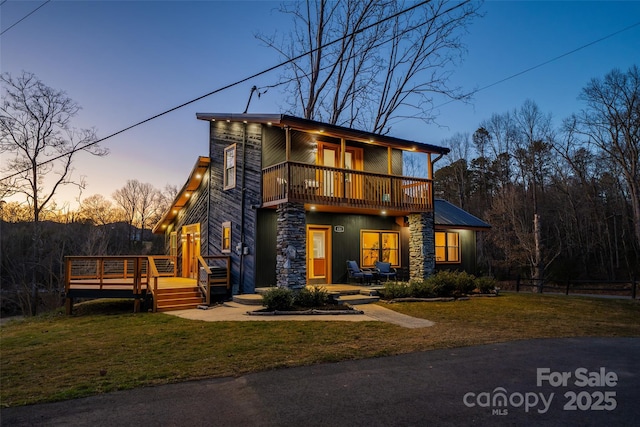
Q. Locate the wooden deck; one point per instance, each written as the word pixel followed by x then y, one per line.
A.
pixel 149 280
pixel 126 284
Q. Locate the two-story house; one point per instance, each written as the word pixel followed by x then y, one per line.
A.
pixel 291 200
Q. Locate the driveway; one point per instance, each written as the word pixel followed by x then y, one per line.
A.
pixel 551 382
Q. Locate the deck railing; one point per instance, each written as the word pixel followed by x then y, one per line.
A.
pixel 306 183
pixel 131 272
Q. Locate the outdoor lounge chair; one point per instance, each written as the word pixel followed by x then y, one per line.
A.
pixel 358 274
pixel 385 270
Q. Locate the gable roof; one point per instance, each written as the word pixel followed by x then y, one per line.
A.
pixel 298 123
pixel 449 215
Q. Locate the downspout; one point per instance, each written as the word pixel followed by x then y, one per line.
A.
pixel 242 206
pixel 208 208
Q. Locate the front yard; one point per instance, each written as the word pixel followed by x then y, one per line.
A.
pixel 105 348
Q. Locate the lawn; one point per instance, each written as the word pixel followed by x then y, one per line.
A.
pixel 104 348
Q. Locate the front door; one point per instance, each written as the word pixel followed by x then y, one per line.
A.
pixel 318 254
pixel 190 235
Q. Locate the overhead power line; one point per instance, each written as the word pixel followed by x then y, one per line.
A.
pixel 24 17
pixel 305 54
pixel 85 146
pixel 584 46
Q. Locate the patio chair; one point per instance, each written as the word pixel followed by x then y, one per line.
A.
pixel 358 274
pixel 385 270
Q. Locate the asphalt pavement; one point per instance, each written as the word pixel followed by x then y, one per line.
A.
pixel 550 382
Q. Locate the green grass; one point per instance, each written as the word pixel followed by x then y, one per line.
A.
pixel 104 348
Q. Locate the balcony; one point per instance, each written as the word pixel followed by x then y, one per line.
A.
pixel 328 187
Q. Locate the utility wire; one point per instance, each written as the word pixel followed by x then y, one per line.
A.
pixel 24 17
pixel 473 92
pixel 303 55
pixel 85 146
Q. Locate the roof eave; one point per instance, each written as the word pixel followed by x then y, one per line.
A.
pixel 324 129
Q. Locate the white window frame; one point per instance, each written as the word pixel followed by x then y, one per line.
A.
pixel 229 171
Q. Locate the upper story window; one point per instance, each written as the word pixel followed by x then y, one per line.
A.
pixel 230 167
pixel 447 247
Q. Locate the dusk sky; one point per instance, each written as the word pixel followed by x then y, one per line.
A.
pixel 125 61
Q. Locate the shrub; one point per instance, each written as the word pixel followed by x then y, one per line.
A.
pixel 486 284
pixel 395 290
pixel 448 283
pixel 278 299
pixel 422 289
pixel 465 282
pixel 316 296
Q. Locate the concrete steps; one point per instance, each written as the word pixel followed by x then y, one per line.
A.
pixel 342 294
pixel 248 299
pixel 357 299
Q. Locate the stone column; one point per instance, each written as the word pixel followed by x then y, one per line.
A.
pixel 291 260
pixel 422 256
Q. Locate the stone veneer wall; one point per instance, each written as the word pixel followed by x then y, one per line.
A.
pixel 291 246
pixel 422 257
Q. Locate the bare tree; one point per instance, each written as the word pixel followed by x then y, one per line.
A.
pixel 387 61
pixel 611 123
pixel 458 166
pixel 39 145
pixel 97 210
pixel 149 205
pixel 127 199
pixel 37 138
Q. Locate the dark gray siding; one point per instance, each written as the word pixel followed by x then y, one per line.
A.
pixel 266 248
pixel 345 245
pixel 467 252
pixel 227 205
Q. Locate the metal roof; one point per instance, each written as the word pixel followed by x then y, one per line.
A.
pixel 449 215
pixel 325 129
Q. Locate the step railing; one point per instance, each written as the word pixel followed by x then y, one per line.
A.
pixel 203 280
pixel 214 276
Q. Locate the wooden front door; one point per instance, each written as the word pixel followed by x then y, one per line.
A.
pixel 318 254
pixel 190 235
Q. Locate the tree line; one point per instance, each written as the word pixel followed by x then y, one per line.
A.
pixel 563 202
pixel 99 226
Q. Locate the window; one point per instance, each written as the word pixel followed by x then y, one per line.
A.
pixel 230 167
pixel 173 250
pixel 379 246
pixel 226 236
pixel 447 247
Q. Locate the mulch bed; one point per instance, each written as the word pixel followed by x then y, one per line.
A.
pixel 324 310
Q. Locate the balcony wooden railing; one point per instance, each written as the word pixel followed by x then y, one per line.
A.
pixel 301 182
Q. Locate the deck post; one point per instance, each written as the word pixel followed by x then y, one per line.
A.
pixel 68 305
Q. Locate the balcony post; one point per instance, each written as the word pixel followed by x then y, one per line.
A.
pixel 287 138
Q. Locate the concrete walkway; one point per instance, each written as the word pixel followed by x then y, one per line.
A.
pixel 231 311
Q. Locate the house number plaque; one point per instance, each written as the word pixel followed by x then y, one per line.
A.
pixel 338 228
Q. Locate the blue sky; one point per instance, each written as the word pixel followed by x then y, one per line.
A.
pixel 125 61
